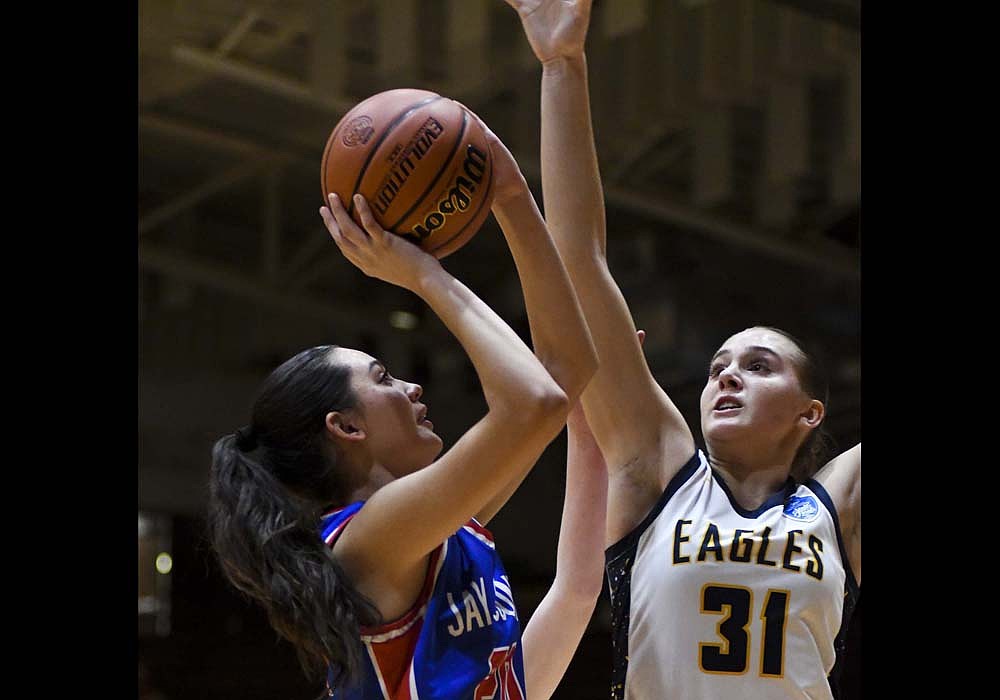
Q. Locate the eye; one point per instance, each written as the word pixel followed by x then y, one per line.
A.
pixel 714 370
pixel 385 377
pixel 757 366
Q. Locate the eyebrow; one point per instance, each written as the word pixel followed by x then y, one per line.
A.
pixel 373 364
pixel 752 348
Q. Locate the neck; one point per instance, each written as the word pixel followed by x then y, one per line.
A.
pixel 377 477
pixel 752 479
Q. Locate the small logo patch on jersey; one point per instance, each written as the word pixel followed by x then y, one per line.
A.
pixel 802 508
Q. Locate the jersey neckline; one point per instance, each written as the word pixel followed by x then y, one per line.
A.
pixel 778 498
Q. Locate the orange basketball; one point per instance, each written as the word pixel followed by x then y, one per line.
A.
pixel 421 160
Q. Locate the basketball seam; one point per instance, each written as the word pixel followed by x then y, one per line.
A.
pixel 437 178
pixel 371 154
pixel 474 216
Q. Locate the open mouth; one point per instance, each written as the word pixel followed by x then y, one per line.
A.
pixel 422 418
pixel 727 405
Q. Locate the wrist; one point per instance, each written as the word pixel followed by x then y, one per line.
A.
pixel 558 65
pixel 509 192
pixel 426 271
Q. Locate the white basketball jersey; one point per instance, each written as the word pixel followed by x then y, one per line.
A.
pixel 710 601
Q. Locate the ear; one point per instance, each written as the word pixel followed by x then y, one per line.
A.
pixel 345 426
pixel 813 415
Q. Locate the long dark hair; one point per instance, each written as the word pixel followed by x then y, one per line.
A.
pixel 269 483
pixel 816 449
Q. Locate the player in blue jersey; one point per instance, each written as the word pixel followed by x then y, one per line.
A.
pixel 336 511
pixel 733 570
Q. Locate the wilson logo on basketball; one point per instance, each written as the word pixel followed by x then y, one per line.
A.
pixel 358 132
pixel 458 198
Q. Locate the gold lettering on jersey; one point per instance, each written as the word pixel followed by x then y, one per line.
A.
pixel 790 549
pixel 762 551
pixel 710 543
pixel 742 547
pixel 678 539
pixel 750 546
pixel 814 567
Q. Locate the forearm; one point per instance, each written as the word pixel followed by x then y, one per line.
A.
pixel 554 631
pixel 626 408
pixel 506 367
pixel 550 639
pixel 571 180
pixel 580 556
pixel 559 331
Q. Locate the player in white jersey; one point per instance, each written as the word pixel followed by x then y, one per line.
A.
pixel 732 571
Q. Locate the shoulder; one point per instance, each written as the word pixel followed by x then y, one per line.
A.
pixel 841 477
pixel 641 498
pixel 333 521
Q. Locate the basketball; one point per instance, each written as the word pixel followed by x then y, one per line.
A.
pixel 421 160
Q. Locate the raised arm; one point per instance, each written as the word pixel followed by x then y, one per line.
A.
pixel 559 335
pixel 558 623
pixel 526 410
pixel 633 420
pixel 841 477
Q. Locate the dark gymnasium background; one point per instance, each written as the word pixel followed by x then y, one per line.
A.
pixel 729 138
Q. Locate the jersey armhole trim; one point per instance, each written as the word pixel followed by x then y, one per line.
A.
pixel 627 543
pixel 394 628
pixel 478 527
pixel 817 488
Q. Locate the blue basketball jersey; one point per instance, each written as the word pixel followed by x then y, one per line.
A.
pixel 461 639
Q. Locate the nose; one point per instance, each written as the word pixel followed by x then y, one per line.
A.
pixel 729 378
pixel 415 391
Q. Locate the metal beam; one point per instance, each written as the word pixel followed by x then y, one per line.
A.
pixel 667 212
pixel 713 227
pixel 260 78
pixel 215 276
pixel 204 136
pixel 217 184
pixel 214 138
pixel 636 151
pixel 236 34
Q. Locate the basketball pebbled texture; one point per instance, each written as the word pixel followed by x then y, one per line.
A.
pixel 421 160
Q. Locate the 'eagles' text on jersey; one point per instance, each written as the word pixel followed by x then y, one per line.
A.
pixel 713 601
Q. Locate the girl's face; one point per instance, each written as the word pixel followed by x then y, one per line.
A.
pixel 397 432
pixel 753 392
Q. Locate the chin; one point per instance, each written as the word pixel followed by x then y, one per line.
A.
pixel 722 430
pixel 435 448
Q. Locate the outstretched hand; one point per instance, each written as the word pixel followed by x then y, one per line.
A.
pixel 373 250
pixel 555 28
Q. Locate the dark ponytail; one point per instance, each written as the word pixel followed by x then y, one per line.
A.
pixel 269 482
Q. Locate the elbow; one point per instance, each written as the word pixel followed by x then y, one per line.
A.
pixel 552 405
pixel 545 408
pixel 572 380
